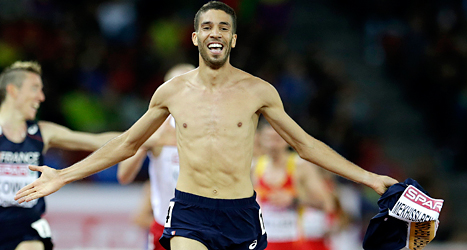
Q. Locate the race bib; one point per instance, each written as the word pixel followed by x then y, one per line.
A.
pixel 261 222
pixel 42 227
pixel 416 206
pixel 168 219
pixel 420 234
pixel 421 213
pixel 281 225
pixel 315 223
pixel 13 177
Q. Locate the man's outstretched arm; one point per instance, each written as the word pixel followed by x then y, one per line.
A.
pixel 314 150
pixel 58 136
pixel 110 154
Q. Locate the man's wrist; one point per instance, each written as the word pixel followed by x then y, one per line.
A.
pixel 64 176
pixel 368 179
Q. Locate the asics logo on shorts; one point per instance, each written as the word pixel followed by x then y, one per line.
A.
pixel 253 245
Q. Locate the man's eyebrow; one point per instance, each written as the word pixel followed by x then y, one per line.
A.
pixel 225 23
pixel 209 22
pixel 206 22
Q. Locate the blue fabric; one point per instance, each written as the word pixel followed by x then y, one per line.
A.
pixel 216 223
pixel 13 234
pixel 15 221
pixel 385 232
pixel 32 144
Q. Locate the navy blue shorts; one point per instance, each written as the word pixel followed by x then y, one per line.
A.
pixel 216 223
pixel 12 235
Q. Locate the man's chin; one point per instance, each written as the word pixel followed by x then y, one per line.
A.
pixel 216 63
pixel 31 117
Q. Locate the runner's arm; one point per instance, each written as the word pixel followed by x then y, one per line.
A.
pixel 314 150
pixel 111 153
pixel 58 136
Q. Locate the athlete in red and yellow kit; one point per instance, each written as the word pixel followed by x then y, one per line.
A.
pixel 283 181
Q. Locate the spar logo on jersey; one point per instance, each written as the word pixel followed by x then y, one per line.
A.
pixel 418 197
pixel 30 158
pixel 416 206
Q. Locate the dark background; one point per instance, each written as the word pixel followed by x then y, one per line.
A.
pixel 382 82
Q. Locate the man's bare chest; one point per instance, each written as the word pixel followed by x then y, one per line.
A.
pixel 214 111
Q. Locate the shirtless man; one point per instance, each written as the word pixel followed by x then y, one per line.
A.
pixel 24 141
pixel 216 108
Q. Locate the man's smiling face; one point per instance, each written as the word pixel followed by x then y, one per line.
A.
pixel 215 37
pixel 30 95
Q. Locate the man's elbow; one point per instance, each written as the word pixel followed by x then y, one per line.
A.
pixel 128 148
pixel 305 149
pixel 302 152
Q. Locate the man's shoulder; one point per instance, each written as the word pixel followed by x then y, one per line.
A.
pixel 172 86
pixel 251 80
pixel 179 81
pixel 45 124
pixel 48 128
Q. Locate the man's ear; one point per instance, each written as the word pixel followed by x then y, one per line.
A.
pixel 12 89
pixel 234 40
pixel 194 38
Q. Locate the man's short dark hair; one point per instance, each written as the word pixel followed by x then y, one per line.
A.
pixel 216 5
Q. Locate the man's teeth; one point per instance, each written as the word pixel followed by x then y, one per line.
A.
pixel 215 46
pixel 36 106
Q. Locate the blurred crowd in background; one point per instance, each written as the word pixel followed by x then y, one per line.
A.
pixel 423 47
pixel 102 61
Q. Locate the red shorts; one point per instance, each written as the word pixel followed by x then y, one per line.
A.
pixel 283 245
pixel 155 232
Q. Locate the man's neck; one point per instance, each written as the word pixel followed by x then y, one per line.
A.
pixel 214 78
pixel 11 118
pixel 12 124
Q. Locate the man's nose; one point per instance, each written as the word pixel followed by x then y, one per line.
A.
pixel 41 96
pixel 215 33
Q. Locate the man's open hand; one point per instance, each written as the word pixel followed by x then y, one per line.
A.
pixel 48 183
